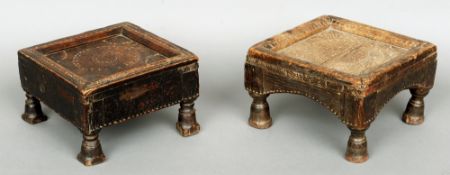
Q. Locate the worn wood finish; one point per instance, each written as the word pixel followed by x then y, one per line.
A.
pixel 350 68
pixel 108 76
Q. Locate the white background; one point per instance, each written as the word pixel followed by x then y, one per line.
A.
pixel 305 137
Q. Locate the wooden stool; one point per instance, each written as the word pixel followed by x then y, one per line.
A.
pixel 106 77
pixel 350 68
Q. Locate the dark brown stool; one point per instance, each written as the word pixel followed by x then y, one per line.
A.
pixel 106 77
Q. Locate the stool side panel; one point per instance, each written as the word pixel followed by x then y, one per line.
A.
pixel 420 75
pixel 255 68
pixel 267 81
pixel 364 108
pixel 330 98
pixel 53 91
pixel 147 93
pixel 395 72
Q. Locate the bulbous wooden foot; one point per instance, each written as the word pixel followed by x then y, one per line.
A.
pixel 187 123
pixel 259 112
pixel 91 151
pixel 33 112
pixel 357 147
pixel 414 113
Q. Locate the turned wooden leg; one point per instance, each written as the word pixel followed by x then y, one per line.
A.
pixel 259 112
pixel 414 113
pixel 187 124
pixel 357 146
pixel 91 151
pixel 33 112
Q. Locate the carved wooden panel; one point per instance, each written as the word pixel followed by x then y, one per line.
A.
pixel 101 58
pixel 343 51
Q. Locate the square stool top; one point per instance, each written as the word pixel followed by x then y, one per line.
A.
pixel 349 51
pixel 101 57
